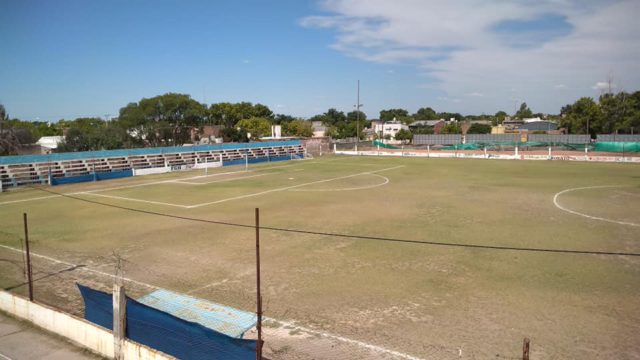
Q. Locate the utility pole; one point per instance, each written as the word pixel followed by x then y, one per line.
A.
pixel 26 243
pixel 358 106
pixel 259 295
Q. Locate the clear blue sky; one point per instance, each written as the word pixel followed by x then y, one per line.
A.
pixel 66 59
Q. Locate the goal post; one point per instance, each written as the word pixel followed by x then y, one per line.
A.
pixel 207 163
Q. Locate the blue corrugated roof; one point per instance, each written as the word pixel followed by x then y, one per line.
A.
pixel 29 159
pixel 221 318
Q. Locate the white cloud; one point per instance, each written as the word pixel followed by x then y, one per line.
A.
pixel 476 94
pixel 452 43
pixel 603 85
pixel 245 61
pixel 560 86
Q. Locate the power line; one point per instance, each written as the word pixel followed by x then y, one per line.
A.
pixel 348 236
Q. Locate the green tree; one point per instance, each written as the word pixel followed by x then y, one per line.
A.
pixel 230 134
pixel 582 115
pixel 452 128
pixel 448 116
pixel 297 127
pixel 425 114
pixel 257 127
pixel 9 142
pixel 524 112
pixel 334 117
pixel 404 135
pixel 163 120
pixel 620 112
pixel 390 114
pixel 422 129
pixel 229 114
pixel 479 129
pixel 360 121
pixel 498 118
pixel 282 118
pixel 74 140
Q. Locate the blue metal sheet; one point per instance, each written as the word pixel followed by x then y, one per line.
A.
pixel 224 319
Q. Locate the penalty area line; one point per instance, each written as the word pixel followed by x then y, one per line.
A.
pixel 133 199
pixel 289 187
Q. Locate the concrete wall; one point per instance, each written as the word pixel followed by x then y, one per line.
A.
pixel 78 330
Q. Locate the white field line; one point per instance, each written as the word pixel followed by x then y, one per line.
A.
pixel 83 268
pixel 375 348
pixel 5 357
pixel 30 199
pixel 385 182
pixel 218 181
pixel 213 284
pixel 133 199
pixel 557 204
pixel 288 187
pixel 168 181
pixel 285 323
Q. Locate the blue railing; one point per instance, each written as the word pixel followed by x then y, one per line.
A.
pixel 30 159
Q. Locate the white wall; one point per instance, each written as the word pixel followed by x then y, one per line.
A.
pixel 78 330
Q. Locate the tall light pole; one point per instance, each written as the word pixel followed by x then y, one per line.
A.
pixel 358 106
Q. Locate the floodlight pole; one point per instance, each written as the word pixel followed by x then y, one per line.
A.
pixel 358 105
pixel 259 295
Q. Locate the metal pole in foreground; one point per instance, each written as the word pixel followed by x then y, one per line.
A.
pixel 26 242
pixel 525 349
pixel 259 296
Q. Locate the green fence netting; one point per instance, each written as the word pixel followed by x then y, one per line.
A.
pixel 618 147
pixel 383 145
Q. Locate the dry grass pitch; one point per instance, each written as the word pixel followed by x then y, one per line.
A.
pixel 425 301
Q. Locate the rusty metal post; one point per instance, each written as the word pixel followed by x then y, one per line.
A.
pixel 26 243
pixel 525 349
pixel 259 295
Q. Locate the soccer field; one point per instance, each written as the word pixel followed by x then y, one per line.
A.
pixel 420 300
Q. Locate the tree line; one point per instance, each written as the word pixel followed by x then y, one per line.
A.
pixel 170 119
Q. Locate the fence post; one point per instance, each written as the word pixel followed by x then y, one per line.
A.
pixel 525 349
pixel 259 295
pixel 28 254
pixel 119 320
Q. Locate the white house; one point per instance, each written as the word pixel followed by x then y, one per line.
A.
pixel 49 143
pixel 390 128
pixel 319 129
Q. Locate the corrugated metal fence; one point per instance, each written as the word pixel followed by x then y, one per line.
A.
pixel 618 138
pixel 165 332
pixel 448 139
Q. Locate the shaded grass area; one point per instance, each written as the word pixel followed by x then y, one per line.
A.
pixel 397 295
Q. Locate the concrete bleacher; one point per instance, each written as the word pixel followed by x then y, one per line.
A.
pixel 35 169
